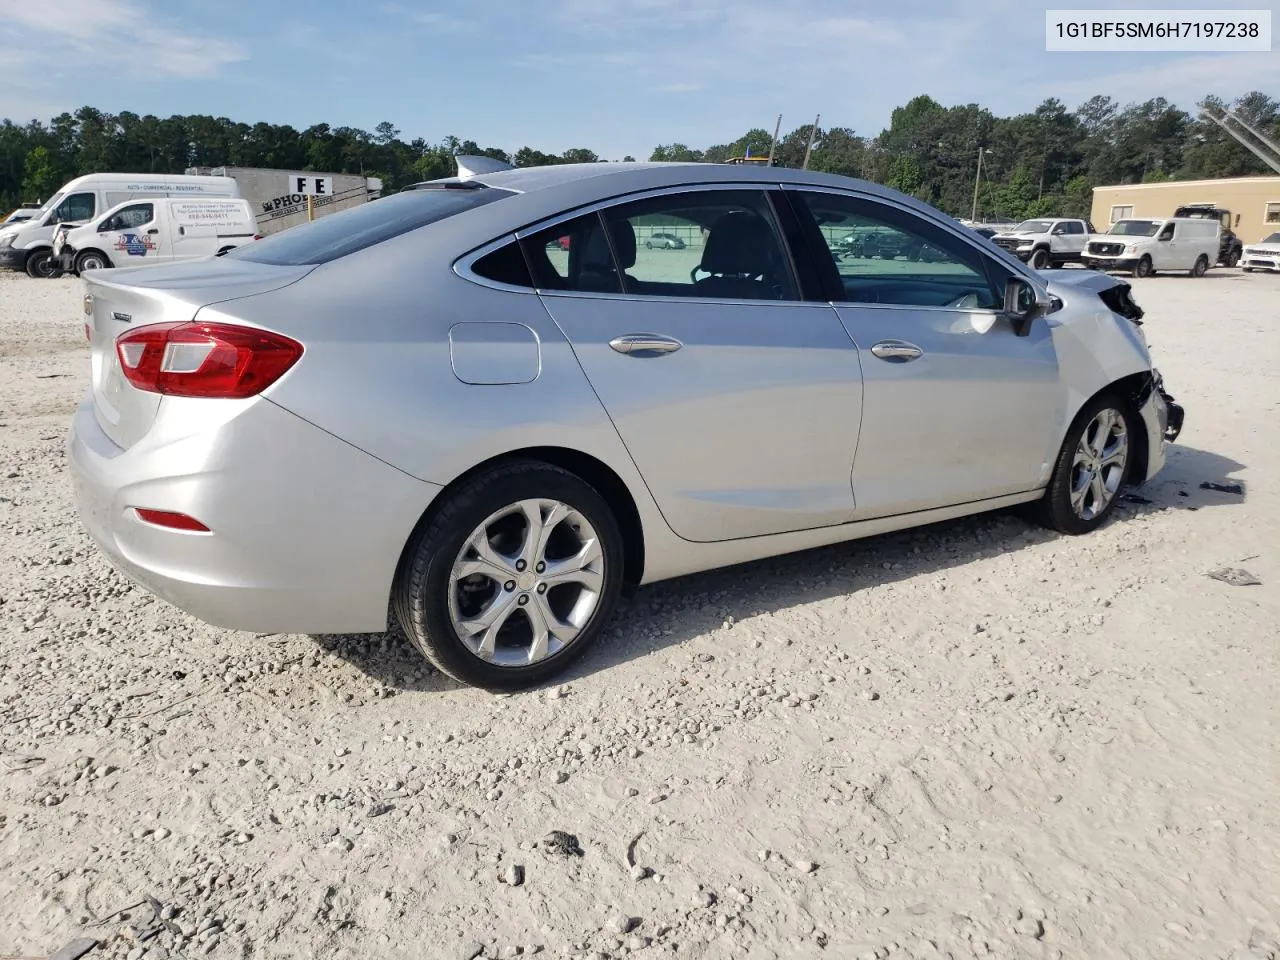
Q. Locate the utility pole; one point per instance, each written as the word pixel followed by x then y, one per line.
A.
pixel 973 216
pixel 813 132
pixel 774 143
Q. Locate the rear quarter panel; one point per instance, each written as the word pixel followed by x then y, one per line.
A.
pixel 377 369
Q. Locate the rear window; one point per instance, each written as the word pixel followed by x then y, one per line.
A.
pixel 340 234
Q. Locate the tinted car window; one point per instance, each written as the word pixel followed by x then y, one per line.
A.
pixel 882 254
pixel 78 206
pixel 1075 227
pixel 730 246
pixel 573 256
pixel 504 265
pixel 341 234
pixel 130 217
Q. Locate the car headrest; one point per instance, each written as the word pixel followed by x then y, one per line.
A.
pixel 623 235
pixel 740 243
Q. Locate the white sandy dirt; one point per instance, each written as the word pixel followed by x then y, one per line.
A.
pixel 977 739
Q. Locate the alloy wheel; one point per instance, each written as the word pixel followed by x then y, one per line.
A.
pixel 1099 466
pixel 525 583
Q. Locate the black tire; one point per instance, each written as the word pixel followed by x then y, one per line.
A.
pixel 421 598
pixel 1232 258
pixel 1039 259
pixel 1144 268
pixel 1247 269
pixel 1201 267
pixel 92 260
pixel 1055 509
pixel 40 264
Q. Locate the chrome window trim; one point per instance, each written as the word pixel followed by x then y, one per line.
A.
pixel 463 266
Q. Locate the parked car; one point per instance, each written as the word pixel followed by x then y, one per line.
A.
pixel 664 241
pixel 163 230
pixel 411 404
pixel 1264 255
pixel 20 215
pixel 1230 249
pixel 1146 247
pixel 29 245
pixel 1046 242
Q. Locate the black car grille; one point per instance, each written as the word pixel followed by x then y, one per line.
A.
pixel 1007 244
pixel 1107 249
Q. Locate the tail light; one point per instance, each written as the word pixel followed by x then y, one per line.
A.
pixel 257 236
pixel 211 360
pixel 174 521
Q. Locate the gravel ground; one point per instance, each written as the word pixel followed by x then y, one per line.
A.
pixel 972 740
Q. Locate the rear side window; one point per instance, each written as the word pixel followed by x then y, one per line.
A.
pixel 504 265
pixel 344 233
pixel 574 255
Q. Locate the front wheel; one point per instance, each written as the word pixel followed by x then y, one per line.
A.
pixel 1040 259
pixel 91 260
pixel 513 579
pixel 1201 267
pixel 40 265
pixel 1091 468
pixel 1144 268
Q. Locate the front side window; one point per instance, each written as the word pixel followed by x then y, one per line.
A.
pixel 1167 232
pixel 886 255
pixel 78 206
pixel 130 218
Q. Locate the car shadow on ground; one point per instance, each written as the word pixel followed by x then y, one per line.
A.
pixel 643 625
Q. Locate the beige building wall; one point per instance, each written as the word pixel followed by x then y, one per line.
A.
pixel 1254 202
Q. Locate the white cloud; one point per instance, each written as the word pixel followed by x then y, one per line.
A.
pixel 432 21
pixel 116 32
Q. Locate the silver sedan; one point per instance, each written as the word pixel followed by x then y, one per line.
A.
pixel 481 407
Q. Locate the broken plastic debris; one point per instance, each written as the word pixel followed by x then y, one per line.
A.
pixel 1236 576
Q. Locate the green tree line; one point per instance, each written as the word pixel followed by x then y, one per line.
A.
pixel 1038 163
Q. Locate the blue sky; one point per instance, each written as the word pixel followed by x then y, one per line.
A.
pixel 616 76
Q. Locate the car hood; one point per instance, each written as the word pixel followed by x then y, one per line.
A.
pixel 1263 247
pixel 1017 236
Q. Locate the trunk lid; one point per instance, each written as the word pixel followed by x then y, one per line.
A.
pixel 120 300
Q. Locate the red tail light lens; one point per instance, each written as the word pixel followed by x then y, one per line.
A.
pixel 211 360
pixel 175 521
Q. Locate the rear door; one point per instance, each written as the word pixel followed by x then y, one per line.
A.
pixel 738 401
pixel 956 407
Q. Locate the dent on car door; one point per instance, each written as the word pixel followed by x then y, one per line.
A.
pixel 957 408
pixel 738 401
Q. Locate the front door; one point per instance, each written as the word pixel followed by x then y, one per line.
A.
pixel 738 402
pixel 1168 254
pixel 956 407
pixel 132 236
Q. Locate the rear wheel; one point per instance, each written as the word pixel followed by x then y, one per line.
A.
pixel 1143 269
pixel 513 579
pixel 92 260
pixel 40 265
pixel 1232 258
pixel 1091 468
pixel 1201 267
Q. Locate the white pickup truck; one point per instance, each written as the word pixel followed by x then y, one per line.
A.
pixel 1046 242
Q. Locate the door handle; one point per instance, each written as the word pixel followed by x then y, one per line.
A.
pixel 896 351
pixel 645 343
pixel 153 231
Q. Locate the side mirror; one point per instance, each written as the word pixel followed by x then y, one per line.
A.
pixel 1022 304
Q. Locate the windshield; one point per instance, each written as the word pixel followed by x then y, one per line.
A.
pixel 1274 238
pixel 1033 226
pixel 50 203
pixel 354 229
pixel 1134 228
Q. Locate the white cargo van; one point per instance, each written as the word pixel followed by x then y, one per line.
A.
pixel 1150 246
pixel 163 230
pixel 29 246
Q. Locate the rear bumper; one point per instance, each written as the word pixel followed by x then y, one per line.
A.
pixel 307 530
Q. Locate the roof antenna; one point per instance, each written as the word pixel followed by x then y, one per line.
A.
pixel 470 166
